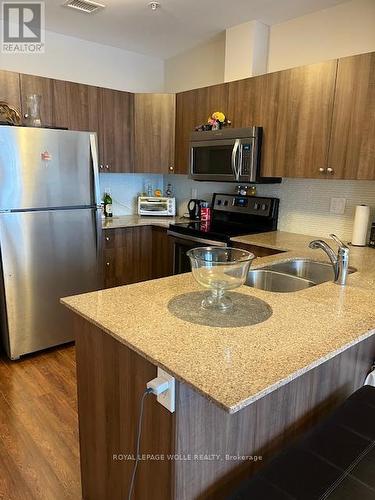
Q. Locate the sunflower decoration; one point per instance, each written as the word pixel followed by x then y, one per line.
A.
pixel 216 121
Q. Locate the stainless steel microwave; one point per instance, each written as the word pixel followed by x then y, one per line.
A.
pixel 229 154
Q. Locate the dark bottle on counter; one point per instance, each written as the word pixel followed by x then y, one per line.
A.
pixel 107 201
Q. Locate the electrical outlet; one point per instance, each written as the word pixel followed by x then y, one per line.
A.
pixel 194 193
pixel 167 398
pixel 338 206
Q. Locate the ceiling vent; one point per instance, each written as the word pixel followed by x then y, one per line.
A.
pixel 87 6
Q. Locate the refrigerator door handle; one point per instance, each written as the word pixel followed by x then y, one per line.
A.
pixel 95 168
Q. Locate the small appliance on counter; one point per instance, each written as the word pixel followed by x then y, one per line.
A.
pixel 157 205
pixel 194 209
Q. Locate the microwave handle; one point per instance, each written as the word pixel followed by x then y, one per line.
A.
pixel 235 169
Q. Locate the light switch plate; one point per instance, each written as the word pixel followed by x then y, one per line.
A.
pixel 167 398
pixel 338 206
pixel 194 193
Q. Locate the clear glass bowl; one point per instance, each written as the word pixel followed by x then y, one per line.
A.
pixel 219 269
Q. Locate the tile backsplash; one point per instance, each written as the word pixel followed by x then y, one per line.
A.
pixel 125 189
pixel 304 203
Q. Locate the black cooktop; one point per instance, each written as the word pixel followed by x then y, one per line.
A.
pixel 210 230
pixel 233 215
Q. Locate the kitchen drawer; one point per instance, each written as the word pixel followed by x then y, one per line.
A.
pixel 111 238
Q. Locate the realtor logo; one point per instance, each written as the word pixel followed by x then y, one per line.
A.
pixel 23 27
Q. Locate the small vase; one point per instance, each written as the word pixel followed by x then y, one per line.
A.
pixel 33 111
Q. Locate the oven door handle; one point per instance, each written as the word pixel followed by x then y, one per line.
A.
pixel 235 167
pixel 194 239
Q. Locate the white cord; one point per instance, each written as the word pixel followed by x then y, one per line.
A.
pixel 139 432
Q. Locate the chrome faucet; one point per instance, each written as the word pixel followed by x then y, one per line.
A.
pixel 340 262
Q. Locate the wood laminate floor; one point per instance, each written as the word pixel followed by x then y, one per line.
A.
pixel 39 452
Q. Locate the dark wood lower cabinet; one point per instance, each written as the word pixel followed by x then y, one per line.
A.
pixel 111 381
pixel 135 254
pixel 162 253
pixel 127 256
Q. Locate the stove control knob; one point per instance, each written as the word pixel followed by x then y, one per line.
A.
pixel 256 206
pixel 219 202
pixel 264 206
pixel 226 203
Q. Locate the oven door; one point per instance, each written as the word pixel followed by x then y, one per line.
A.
pixel 182 243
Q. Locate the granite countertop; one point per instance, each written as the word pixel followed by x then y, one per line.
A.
pixel 234 367
pixel 138 220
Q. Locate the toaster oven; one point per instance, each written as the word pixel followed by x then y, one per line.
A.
pixel 156 205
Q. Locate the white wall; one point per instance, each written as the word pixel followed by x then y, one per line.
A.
pixel 246 50
pixel 201 66
pixel 125 189
pixel 77 60
pixel 343 30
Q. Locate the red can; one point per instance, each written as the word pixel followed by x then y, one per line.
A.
pixel 205 212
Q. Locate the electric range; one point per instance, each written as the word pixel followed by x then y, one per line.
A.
pixel 232 215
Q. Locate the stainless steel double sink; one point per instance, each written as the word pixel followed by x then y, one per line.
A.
pixel 291 276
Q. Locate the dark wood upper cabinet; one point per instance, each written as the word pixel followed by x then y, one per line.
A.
pixel 116 129
pixel 247 102
pixel 193 108
pixel 295 110
pixel 154 132
pixel 42 86
pixel 10 88
pixel 294 107
pixel 75 106
pixel 352 146
pixel 318 120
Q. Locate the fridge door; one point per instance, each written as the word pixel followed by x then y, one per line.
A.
pixel 45 255
pixel 42 168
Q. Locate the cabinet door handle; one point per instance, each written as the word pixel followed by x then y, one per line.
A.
pixel 107 264
pixel 330 170
pixel 171 168
pixel 322 170
pixel 107 238
pixel 107 167
pixel 101 167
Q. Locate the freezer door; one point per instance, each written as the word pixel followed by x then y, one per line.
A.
pixel 41 168
pixel 45 255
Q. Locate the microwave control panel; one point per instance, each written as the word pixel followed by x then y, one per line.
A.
pixel 246 159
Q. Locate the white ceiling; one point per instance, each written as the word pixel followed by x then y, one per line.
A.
pixel 177 26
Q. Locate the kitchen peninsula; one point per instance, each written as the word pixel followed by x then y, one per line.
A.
pixel 241 393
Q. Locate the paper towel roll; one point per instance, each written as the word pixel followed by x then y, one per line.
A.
pixel 360 227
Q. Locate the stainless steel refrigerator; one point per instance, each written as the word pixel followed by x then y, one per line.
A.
pixel 49 232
